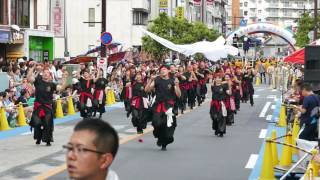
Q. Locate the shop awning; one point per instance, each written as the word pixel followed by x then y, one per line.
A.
pixel 297 57
pixel 5 36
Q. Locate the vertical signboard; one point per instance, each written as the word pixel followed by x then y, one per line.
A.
pixel 197 2
pixel 57 11
pixel 180 12
pixel 210 2
pixel 163 6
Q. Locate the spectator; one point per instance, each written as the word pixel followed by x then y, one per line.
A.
pixel 311 103
pixel 91 150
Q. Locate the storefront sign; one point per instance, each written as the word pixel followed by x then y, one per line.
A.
pixel 4 36
pixel 17 37
pixel 196 2
pixel 163 4
pixel 58 11
pixel 180 12
pixel 210 2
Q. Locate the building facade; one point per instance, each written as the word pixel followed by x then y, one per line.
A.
pixel 284 13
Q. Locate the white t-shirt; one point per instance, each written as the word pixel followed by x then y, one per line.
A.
pixel 112 175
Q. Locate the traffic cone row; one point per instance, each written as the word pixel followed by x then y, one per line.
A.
pixel 22 120
pixel 313 168
pixel 283 118
pixel 270 158
pixel 110 97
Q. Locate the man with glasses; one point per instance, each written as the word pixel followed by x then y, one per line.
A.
pixel 91 150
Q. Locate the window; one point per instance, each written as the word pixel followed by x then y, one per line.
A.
pixel 140 18
pixel 245 4
pixel 241 4
pixel 4 12
pixel 259 11
pixel 20 12
pixel 245 13
pixel 91 17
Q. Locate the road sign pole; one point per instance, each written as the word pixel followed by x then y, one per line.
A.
pixel 103 52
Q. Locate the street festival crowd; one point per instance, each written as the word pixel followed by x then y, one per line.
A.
pixel 151 92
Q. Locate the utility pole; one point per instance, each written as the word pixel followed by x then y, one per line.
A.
pixel 66 52
pixel 315 33
pixel 103 52
pixel 171 15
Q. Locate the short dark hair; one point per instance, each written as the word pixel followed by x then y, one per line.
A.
pixel 306 86
pixel 106 140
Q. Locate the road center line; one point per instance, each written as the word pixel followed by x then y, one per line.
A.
pixel 252 161
pixel 263 133
pixel 265 109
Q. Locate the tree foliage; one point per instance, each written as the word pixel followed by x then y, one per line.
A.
pixel 183 32
pixel 305 25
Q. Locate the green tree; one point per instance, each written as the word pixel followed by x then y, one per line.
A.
pixel 183 32
pixel 305 25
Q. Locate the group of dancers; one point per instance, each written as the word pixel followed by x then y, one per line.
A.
pixel 155 95
pixel 159 95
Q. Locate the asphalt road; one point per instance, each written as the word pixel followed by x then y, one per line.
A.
pixel 196 153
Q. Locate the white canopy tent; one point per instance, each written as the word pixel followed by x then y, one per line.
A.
pixel 211 50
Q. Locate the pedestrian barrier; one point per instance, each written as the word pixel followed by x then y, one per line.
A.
pixel 3 120
pixel 274 149
pixel 22 120
pixel 286 155
pixel 110 97
pixel 258 81
pixel 71 110
pixel 59 110
pixel 283 118
pixel 295 132
pixel 267 171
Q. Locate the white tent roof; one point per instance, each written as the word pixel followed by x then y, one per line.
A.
pixel 212 50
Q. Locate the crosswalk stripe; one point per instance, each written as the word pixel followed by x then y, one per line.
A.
pixel 265 109
pixel 263 133
pixel 252 161
pixel 269 117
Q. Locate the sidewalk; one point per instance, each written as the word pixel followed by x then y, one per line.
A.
pixel 25 129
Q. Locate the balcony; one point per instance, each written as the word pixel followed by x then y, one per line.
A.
pixel 141 4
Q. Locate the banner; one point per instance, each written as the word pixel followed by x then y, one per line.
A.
pixel 163 4
pixel 197 2
pixel 57 11
pixel 180 12
pixel 210 2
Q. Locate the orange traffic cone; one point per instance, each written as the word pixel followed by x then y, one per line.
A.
pixel 3 120
pixel 113 98
pixel 267 171
pixel 21 116
pixel 71 110
pixel 59 111
pixel 286 156
pixel 109 98
pixel 274 148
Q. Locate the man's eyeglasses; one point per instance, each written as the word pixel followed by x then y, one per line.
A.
pixel 79 149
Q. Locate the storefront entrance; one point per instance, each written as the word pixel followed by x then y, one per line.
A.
pixel 41 48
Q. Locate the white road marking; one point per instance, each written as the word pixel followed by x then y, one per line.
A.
pixel 123 136
pixel 274 90
pixel 38 168
pixel 263 133
pixel 252 161
pixel 269 117
pixel 260 90
pixel 275 99
pixel 118 127
pixel 256 96
pixel 131 130
pixel 273 107
pixel 60 158
pixel 265 109
pixel 26 133
pixel 272 97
